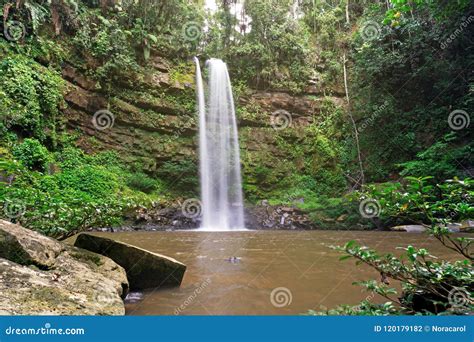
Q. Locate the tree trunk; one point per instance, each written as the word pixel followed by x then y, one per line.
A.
pixel 348 21
pixel 356 132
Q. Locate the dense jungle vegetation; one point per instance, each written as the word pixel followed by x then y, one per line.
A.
pixel 399 134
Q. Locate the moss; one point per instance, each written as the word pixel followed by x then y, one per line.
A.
pixel 182 73
pixel 88 257
pixel 11 250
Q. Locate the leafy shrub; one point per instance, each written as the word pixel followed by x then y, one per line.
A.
pixel 95 181
pixel 141 182
pixel 31 95
pixel 180 175
pixel 428 285
pixel 63 212
pixel 419 200
pixel 109 44
pixel 85 192
pixel 439 160
pixel 32 154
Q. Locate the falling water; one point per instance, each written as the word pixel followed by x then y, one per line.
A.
pixel 221 186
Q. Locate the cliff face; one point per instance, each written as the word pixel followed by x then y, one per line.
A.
pixel 154 122
pixel 145 127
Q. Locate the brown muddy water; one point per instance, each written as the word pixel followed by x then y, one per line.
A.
pixel 297 266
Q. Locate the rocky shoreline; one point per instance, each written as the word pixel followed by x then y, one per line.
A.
pixel 42 276
pixel 261 217
pixel 258 217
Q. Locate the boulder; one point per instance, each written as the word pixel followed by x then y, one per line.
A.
pixel 144 269
pixel 467 226
pixel 411 228
pixel 454 227
pixel 42 276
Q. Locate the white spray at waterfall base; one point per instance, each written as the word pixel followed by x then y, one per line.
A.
pixel 219 155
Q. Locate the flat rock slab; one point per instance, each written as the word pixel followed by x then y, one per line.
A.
pixel 144 268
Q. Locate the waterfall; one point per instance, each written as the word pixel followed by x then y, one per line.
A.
pixel 219 156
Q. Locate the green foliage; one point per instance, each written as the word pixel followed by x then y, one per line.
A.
pixel 31 96
pixel 179 176
pixel 419 200
pixel 399 72
pixel 32 154
pixel 81 192
pixel 439 160
pixel 276 52
pixel 95 181
pixel 365 308
pixel 109 43
pixel 141 182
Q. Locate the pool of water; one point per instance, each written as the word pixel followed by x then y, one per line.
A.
pixel 262 272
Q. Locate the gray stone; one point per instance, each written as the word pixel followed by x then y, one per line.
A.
pixel 42 276
pixel 467 226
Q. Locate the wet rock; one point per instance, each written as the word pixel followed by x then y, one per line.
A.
pixel 72 75
pixel 276 217
pixel 144 269
pixel 413 228
pixel 454 227
pixel 42 276
pixel 134 297
pixel 164 218
pixel 467 226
